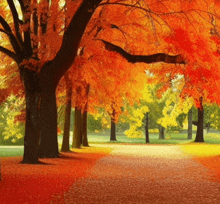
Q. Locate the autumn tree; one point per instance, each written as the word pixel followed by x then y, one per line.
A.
pixel 33 26
pixel 201 71
pixel 40 73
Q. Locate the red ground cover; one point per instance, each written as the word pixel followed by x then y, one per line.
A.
pixel 212 163
pixel 43 183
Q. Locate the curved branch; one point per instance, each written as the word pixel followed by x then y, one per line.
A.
pixel 10 54
pixel 148 59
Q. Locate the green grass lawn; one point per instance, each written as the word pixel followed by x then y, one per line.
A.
pixel 11 151
pixel 210 138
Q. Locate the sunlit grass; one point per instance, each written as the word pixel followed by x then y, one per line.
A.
pixel 209 148
pixel 11 151
pixel 201 149
pixel 174 139
pixel 93 150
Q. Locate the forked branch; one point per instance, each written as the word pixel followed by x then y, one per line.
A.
pixel 10 54
pixel 16 20
pixel 7 30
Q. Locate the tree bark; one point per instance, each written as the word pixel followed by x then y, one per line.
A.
pixel 66 134
pixel 199 132
pixel 146 128
pixel 32 134
pixel 190 118
pixel 48 147
pixel 41 117
pixel 161 132
pixel 77 129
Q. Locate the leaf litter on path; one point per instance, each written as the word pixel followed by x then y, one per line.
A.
pixel 44 183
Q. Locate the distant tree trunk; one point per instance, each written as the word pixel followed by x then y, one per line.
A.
pixel 190 118
pixel 161 132
pixel 199 132
pixel 84 120
pixel 77 141
pixel 113 127
pixel 84 130
pixel 207 126
pixel 66 134
pixel 147 128
pixel 113 131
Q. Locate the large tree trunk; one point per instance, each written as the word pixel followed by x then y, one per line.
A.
pixel 190 118
pixel 199 132
pixel 66 134
pixel 41 118
pixel 31 138
pixel 48 120
pixel 146 128
pixel 54 69
pixel 77 136
pixel 161 132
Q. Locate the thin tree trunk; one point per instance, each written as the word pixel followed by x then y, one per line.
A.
pixel 113 126
pixel 66 134
pixel 190 118
pixel 161 132
pixel 84 130
pixel 77 129
pixel 147 128
pixel 84 120
pixel 199 132
pixel 113 131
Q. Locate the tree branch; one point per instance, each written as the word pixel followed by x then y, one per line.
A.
pixel 148 59
pixel 12 38
pixel 21 4
pixel 10 54
pixel 16 20
pixel 71 39
pixel 3 31
pixel 25 7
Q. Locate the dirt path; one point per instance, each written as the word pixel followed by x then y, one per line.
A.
pixel 146 174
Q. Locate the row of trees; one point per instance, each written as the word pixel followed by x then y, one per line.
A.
pixel 103 52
